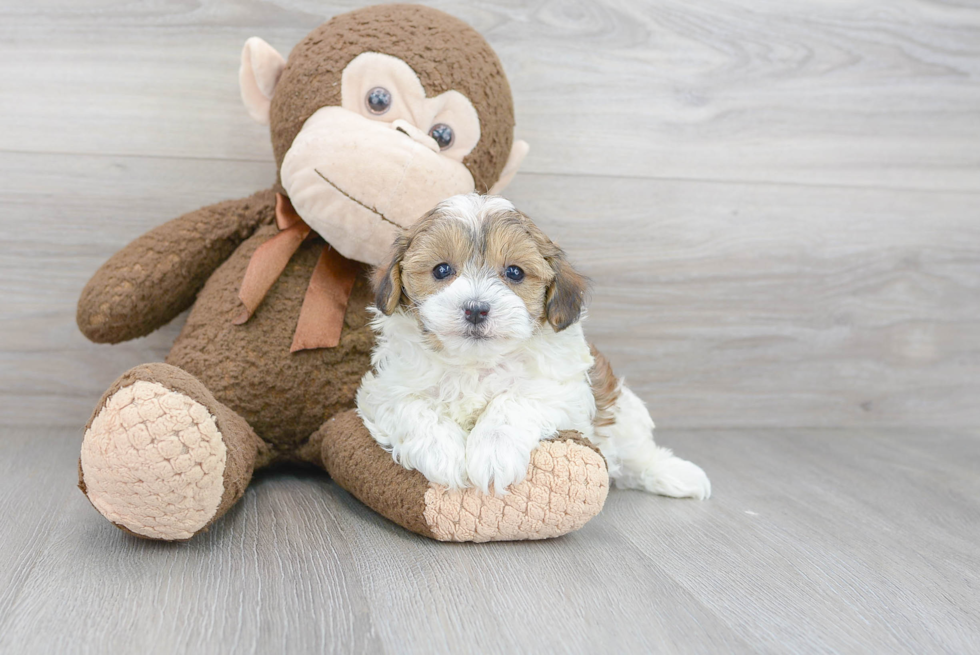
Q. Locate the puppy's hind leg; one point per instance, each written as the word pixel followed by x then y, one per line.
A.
pixel 636 462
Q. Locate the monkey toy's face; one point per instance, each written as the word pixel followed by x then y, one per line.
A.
pixel 384 157
pixel 362 165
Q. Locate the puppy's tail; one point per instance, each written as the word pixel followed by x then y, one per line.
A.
pixel 624 435
pixel 606 388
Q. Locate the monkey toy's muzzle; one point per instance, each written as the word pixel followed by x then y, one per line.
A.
pixel 359 182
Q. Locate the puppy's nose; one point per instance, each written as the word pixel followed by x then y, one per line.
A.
pixel 476 312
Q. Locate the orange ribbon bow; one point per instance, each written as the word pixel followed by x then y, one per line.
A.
pixel 321 318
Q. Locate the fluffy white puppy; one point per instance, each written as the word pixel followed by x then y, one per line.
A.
pixel 480 355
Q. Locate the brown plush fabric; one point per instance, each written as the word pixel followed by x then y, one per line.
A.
pixel 146 284
pixel 446 53
pixel 358 464
pixel 284 396
pixel 244 448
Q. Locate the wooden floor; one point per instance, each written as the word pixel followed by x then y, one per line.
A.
pixel 779 206
pixel 815 541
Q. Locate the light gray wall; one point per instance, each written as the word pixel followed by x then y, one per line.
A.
pixel 779 204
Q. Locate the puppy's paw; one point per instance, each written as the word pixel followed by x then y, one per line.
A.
pixel 499 456
pixel 677 478
pixel 439 455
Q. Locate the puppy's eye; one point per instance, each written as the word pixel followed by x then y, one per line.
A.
pixel 443 135
pixel 378 100
pixel 442 271
pixel 514 273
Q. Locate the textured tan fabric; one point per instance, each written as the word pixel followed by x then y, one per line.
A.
pixel 446 53
pixel 566 485
pixel 153 461
pixel 161 457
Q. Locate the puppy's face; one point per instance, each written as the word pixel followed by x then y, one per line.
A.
pixel 479 277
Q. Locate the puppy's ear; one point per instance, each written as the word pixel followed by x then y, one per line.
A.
pixel 566 293
pixel 388 278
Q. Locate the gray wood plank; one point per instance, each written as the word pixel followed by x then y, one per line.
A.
pixel 840 540
pixel 32 462
pixel 815 541
pixel 723 304
pixel 553 596
pixel 265 581
pixel 848 93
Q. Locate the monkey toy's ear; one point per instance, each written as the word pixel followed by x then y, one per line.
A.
pixel 258 76
pixel 517 154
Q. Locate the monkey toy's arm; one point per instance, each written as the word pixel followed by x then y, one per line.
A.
pixel 148 283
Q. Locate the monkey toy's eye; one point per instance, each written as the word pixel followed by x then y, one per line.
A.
pixel 443 135
pixel 442 271
pixel 514 273
pixel 378 100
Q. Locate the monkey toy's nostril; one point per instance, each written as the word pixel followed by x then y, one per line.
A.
pixel 414 133
pixel 476 312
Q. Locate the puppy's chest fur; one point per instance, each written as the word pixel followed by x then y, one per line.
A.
pixel 464 395
pixel 548 373
pixel 464 392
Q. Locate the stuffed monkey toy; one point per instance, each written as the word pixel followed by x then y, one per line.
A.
pixel 377 116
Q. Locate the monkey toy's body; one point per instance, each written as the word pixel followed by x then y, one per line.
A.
pixel 171 447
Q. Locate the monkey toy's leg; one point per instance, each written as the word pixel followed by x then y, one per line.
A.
pixel 161 458
pixel 566 485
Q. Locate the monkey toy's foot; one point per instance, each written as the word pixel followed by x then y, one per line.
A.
pixel 163 459
pixel 566 485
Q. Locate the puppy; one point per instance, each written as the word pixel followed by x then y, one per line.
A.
pixel 480 355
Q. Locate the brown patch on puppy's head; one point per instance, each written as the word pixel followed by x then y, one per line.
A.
pixel 388 278
pixel 565 293
pixel 406 277
pixel 498 256
pixel 551 289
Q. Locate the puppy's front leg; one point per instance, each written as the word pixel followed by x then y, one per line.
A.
pixel 499 447
pixel 419 438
